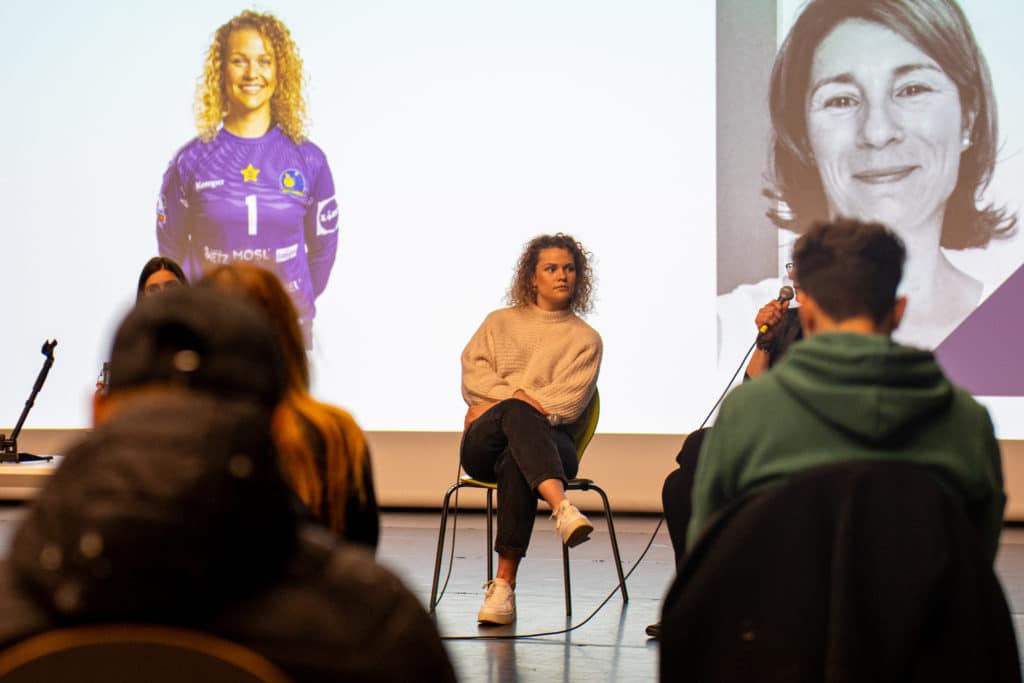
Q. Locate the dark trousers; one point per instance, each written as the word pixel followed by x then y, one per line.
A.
pixel 677 493
pixel 513 444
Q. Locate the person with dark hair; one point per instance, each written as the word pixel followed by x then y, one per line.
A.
pixel 173 510
pixel 883 111
pixel 323 451
pixel 849 392
pixel 251 187
pixel 781 329
pixel 528 374
pixel 160 273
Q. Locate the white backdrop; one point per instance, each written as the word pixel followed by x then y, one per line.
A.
pixel 456 131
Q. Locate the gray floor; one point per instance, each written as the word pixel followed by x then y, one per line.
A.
pixel 610 647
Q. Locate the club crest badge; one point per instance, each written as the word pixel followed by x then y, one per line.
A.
pixel 292 182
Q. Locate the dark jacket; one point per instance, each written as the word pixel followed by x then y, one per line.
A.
pixel 862 571
pixel 175 512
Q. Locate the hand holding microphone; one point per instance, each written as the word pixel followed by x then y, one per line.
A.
pixel 772 312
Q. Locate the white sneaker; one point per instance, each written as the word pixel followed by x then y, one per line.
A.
pixel 499 603
pixel 572 524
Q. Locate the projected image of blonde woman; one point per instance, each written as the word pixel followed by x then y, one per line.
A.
pixel 250 187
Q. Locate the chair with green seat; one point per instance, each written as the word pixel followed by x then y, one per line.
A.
pixel 582 432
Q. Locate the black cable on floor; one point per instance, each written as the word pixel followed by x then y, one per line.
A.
pixel 597 609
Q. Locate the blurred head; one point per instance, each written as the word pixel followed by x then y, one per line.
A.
pixel 159 274
pixel 196 340
pixel 252 61
pixel 264 289
pixel 883 110
pixel 557 269
pixel 850 270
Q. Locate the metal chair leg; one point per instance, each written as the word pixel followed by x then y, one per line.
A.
pixel 490 534
pixel 614 540
pixel 440 543
pixel 565 576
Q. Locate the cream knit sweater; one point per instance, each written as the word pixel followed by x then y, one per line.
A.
pixel 551 355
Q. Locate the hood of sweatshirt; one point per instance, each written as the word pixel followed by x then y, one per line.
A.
pixel 867 385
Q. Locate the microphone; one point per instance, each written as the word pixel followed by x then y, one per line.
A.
pixel 785 294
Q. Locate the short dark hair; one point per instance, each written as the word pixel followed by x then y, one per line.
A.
pixel 940 30
pixel 850 268
pixel 155 264
pixel 522 292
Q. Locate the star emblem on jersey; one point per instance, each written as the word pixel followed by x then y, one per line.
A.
pixel 249 174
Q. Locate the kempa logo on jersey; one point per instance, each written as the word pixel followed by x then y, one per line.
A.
pixel 293 183
pixel 208 184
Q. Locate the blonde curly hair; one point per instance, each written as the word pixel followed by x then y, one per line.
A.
pixel 287 106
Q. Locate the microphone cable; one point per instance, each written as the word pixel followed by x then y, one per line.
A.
pixel 600 606
pixel 728 386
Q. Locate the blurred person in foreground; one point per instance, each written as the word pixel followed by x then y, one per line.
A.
pixel 323 452
pixel 173 510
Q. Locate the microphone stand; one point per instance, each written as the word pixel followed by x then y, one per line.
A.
pixel 9 447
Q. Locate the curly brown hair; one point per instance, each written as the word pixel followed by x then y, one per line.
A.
pixel 287 106
pixel 523 293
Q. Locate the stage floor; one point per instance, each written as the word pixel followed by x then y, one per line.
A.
pixel 610 647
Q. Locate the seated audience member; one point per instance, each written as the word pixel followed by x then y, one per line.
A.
pixel 174 511
pixel 159 274
pixel 783 330
pixel 528 373
pixel 322 450
pixel 847 392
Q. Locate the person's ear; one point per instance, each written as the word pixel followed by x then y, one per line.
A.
pixel 100 408
pixel 104 406
pixel 898 309
pixel 808 312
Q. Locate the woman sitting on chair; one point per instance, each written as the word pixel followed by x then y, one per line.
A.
pixel 527 374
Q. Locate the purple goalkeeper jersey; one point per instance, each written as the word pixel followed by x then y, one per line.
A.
pixel 264 200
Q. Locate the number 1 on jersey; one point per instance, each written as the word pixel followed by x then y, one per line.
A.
pixel 250 203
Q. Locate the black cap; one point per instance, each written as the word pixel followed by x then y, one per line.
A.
pixel 199 339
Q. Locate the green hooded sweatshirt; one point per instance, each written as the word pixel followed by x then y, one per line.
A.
pixel 838 397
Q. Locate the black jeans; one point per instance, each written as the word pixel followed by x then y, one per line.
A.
pixel 513 444
pixel 677 493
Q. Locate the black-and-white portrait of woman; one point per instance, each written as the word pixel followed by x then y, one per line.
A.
pixel 886 110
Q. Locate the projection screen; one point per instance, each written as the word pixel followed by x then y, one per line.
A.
pixel 455 132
